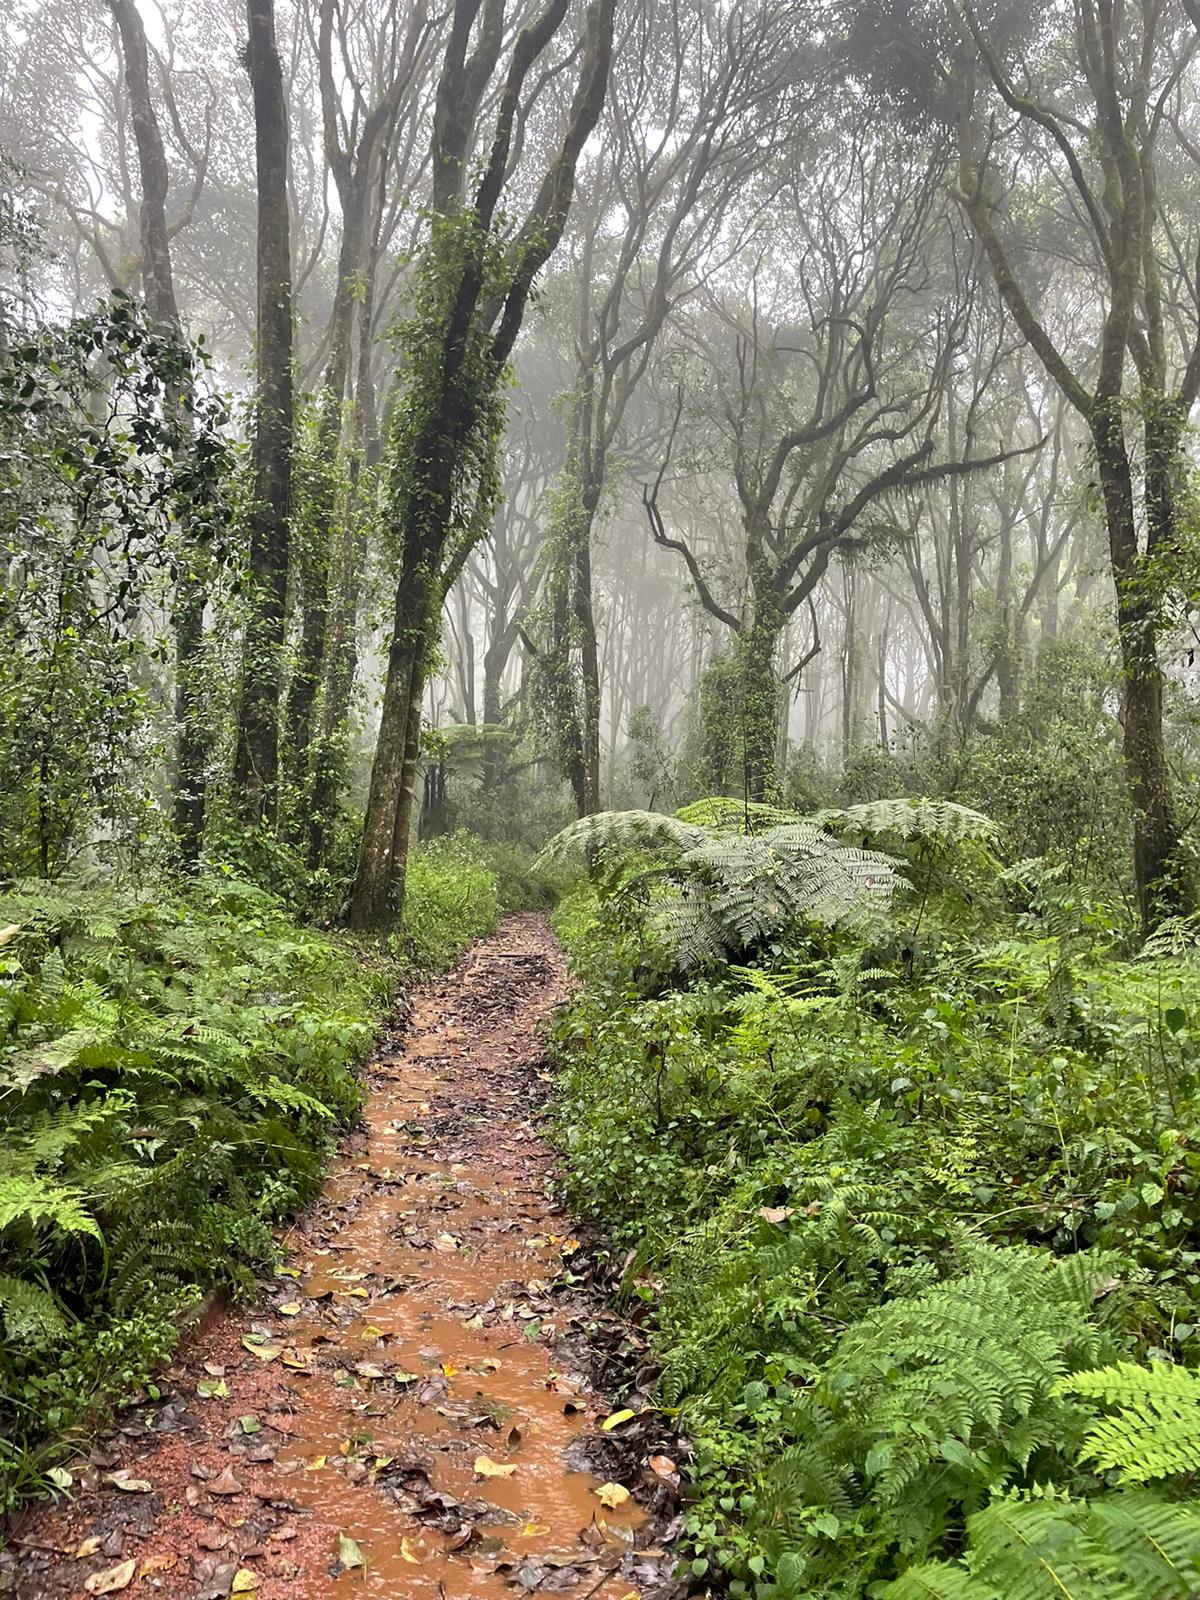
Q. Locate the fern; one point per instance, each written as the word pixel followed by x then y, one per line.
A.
pixel 1042 1546
pixel 938 822
pixel 31 1313
pixel 1156 1432
pixel 40 1204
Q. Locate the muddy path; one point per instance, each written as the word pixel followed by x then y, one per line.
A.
pixel 409 1414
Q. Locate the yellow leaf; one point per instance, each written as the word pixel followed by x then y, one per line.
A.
pixel 264 1352
pixel 244 1581
pixel 485 1467
pixel 88 1548
pixel 131 1485
pixel 296 1364
pixel 111 1579
pixel 611 1495
pixel 447 1370
pixel 354 1294
pixel 292 1309
pixel 615 1421
pixel 371 1332
pixel 533 1530
pixel 314 1463
pixel 156 1564
pixel 407 1552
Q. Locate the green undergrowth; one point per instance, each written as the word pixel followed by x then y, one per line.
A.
pixel 176 1070
pixel 896 1195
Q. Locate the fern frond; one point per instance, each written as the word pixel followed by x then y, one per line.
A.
pixel 34 1201
pixel 1156 1433
pixel 31 1314
pixel 627 832
pixel 928 821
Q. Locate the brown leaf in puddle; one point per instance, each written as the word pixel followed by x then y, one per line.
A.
pixel 111 1579
pixel 225 1484
pixel 409 1552
pixel 126 1481
pixel 611 1495
pixel 485 1467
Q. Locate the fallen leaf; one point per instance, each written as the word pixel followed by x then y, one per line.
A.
pixel 314 1463
pixel 88 1547
pixel 296 1364
pixel 131 1485
pixel 264 1352
pixel 611 1495
pixel 59 1477
pixel 250 1424
pixel 615 1421
pixel 212 1389
pixel 485 1467
pixel 368 1369
pixel 357 1294
pixel 225 1484
pixel 448 1371
pixel 291 1309
pixel 407 1552
pixel 663 1466
pixel 349 1553
pixel 244 1581
pixel 533 1530
pixel 156 1564
pixel 111 1579
pixel 214 1369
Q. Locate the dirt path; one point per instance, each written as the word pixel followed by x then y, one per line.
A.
pixel 416 1394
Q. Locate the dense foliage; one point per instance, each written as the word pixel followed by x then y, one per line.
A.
pixel 176 1070
pixel 895 1194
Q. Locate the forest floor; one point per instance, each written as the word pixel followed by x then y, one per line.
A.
pixel 412 1412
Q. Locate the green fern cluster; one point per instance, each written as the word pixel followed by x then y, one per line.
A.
pixel 721 892
pixel 173 1072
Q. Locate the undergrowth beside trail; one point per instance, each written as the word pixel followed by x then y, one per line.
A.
pixel 176 1069
pixel 915 1212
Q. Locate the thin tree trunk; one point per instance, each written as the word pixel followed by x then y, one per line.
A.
pixel 256 767
pixel 190 593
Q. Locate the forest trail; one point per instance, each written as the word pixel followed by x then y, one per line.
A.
pixel 409 1415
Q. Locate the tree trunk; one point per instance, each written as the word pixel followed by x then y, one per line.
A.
pixel 1160 873
pixel 758 648
pixel 190 594
pixel 256 767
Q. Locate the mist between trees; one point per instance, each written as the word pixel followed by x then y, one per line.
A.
pixel 684 399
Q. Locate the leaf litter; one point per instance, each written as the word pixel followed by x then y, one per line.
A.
pixel 411 1411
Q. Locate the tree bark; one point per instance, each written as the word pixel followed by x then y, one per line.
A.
pixel 256 765
pixel 190 593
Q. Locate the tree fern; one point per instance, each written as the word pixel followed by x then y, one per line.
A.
pixel 1156 1432
pixel 622 833
pixel 939 822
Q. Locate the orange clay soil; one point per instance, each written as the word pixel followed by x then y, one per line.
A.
pixel 409 1414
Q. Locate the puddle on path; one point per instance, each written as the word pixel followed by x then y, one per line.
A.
pixel 408 1387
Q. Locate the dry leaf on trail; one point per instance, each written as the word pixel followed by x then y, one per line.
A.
pixel 156 1564
pixel 111 1579
pixel 485 1467
pixel 264 1352
pixel 368 1369
pixel 126 1481
pixel 214 1369
pixel 349 1553
pixel 88 1547
pixel 663 1466
pixel 295 1364
pixel 617 1418
pixel 292 1309
pixel 611 1495
pixel 314 1463
pixel 244 1581
pixel 225 1484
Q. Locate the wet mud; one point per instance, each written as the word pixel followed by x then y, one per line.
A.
pixel 410 1413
